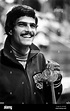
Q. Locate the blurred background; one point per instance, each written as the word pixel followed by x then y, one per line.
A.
pixel 53 33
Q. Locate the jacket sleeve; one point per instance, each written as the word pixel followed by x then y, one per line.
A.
pixel 57 83
pixel 58 87
pixel 47 92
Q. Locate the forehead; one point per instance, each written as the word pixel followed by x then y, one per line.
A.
pixel 26 19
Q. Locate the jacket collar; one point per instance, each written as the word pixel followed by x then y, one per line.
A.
pixel 9 53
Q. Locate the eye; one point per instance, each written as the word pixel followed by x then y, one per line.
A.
pixel 32 25
pixel 22 24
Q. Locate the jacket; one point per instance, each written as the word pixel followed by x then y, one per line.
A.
pixel 17 85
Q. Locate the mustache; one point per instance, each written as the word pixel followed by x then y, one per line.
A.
pixel 28 33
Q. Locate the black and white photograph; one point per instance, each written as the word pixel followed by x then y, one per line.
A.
pixel 35 53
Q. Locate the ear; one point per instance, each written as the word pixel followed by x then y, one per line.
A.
pixel 10 32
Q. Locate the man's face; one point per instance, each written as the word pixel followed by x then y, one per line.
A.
pixel 24 30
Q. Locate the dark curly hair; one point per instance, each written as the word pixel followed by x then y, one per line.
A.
pixel 17 12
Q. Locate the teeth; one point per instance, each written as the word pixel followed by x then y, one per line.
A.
pixel 26 36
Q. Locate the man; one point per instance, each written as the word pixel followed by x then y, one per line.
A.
pixel 25 78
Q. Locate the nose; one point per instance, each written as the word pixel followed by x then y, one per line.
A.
pixel 29 28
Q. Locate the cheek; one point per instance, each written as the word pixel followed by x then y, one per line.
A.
pixel 35 31
pixel 16 34
pixel 16 31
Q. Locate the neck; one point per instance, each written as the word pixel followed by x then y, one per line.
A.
pixel 22 49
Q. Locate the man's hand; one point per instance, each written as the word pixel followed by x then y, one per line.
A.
pixel 51 71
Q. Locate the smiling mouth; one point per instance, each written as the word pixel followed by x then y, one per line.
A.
pixel 26 36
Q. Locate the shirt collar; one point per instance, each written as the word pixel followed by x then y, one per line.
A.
pixel 9 53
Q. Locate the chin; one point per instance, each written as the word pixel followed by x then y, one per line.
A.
pixel 27 44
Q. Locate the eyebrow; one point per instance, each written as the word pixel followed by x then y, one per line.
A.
pixel 25 22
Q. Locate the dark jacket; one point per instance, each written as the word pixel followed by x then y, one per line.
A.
pixel 16 83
